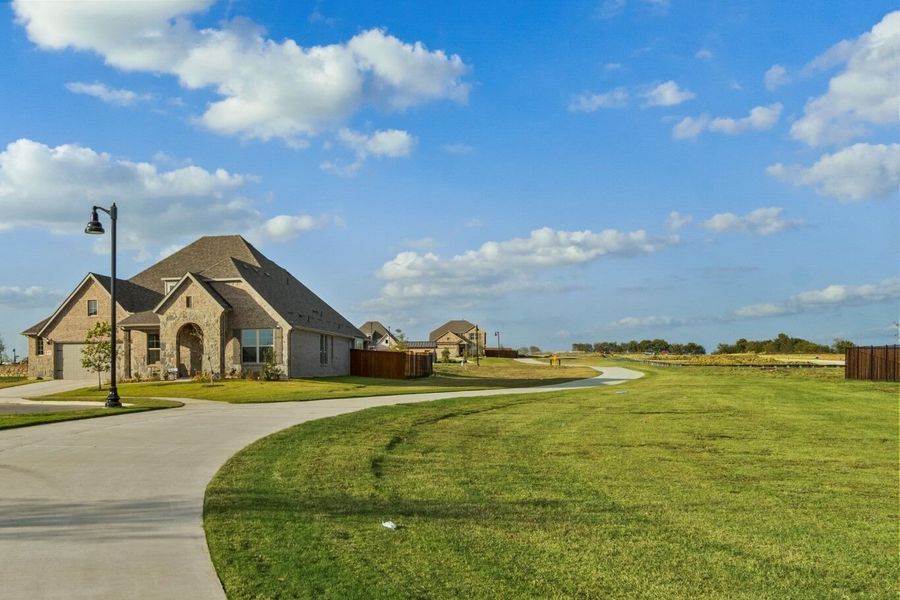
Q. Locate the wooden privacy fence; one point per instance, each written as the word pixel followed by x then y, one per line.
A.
pixel 390 365
pixel 875 363
pixel 501 353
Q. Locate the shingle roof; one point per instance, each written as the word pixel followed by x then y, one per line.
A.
pixel 459 326
pixel 420 345
pixel 209 253
pixel 145 318
pixel 36 328
pixel 372 327
pixel 130 296
pixel 229 257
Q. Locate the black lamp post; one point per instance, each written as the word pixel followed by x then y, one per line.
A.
pixel 497 333
pixel 94 227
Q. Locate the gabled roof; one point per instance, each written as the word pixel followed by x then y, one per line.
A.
pixel 129 297
pixel 222 258
pixel 233 257
pixel 370 328
pixel 145 318
pixel 420 345
pixel 459 326
pixel 216 296
pixel 209 256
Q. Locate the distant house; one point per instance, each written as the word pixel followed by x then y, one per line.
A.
pixel 216 305
pixel 378 337
pixel 459 337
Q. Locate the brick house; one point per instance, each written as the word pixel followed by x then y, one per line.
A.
pixel 216 305
pixel 460 338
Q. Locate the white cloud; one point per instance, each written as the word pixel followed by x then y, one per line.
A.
pixel 649 321
pixel 762 221
pixel 776 77
pixel 268 89
pixel 667 94
pixel 676 221
pixel 827 297
pixel 704 54
pixel 689 127
pixel 27 297
pixel 865 93
pixel 474 223
pixel 52 188
pixel 119 97
pixel 390 143
pixel 457 148
pixel 498 268
pixel 858 172
pixel 617 98
pixel 286 227
pixel 760 118
pixel 613 66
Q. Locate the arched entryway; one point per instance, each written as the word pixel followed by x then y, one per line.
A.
pixel 190 350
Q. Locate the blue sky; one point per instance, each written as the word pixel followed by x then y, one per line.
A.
pixel 593 171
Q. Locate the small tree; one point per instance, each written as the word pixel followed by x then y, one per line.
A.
pixel 97 352
pixel 401 344
pixel 271 370
pixel 2 350
pixel 445 355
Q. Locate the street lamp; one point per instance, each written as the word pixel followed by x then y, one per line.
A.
pixel 94 227
pixel 497 333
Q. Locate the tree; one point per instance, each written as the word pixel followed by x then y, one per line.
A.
pixel 841 346
pixel 401 344
pixel 2 350
pixel 445 355
pixel 97 352
pixel 534 350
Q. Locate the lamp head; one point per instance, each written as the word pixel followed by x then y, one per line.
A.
pixel 94 227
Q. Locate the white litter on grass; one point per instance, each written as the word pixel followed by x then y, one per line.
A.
pixel 621 391
pixel 389 525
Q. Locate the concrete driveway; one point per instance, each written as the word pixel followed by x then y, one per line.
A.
pixel 15 399
pixel 112 507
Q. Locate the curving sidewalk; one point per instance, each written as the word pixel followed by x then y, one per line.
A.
pixel 113 507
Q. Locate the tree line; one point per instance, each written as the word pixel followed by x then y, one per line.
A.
pixel 635 346
pixel 783 344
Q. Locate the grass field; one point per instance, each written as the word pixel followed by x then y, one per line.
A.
pixel 749 358
pixel 6 382
pixel 701 483
pixel 10 421
pixel 493 373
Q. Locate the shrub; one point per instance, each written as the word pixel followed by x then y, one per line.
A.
pixel 445 355
pixel 271 371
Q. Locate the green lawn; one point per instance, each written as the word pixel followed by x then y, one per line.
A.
pixel 10 421
pixel 493 373
pixel 694 483
pixel 6 382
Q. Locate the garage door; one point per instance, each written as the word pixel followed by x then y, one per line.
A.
pixel 68 362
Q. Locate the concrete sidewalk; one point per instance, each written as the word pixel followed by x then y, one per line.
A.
pixel 112 507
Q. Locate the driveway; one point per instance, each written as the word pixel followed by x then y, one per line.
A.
pixel 112 507
pixel 15 399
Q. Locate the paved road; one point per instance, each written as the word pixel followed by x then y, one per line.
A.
pixel 112 507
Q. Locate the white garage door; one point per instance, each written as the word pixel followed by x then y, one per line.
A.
pixel 68 362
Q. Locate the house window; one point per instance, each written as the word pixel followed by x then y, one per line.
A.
pixel 92 308
pixel 39 346
pixel 152 348
pixel 323 349
pixel 188 301
pixel 472 336
pixel 256 345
